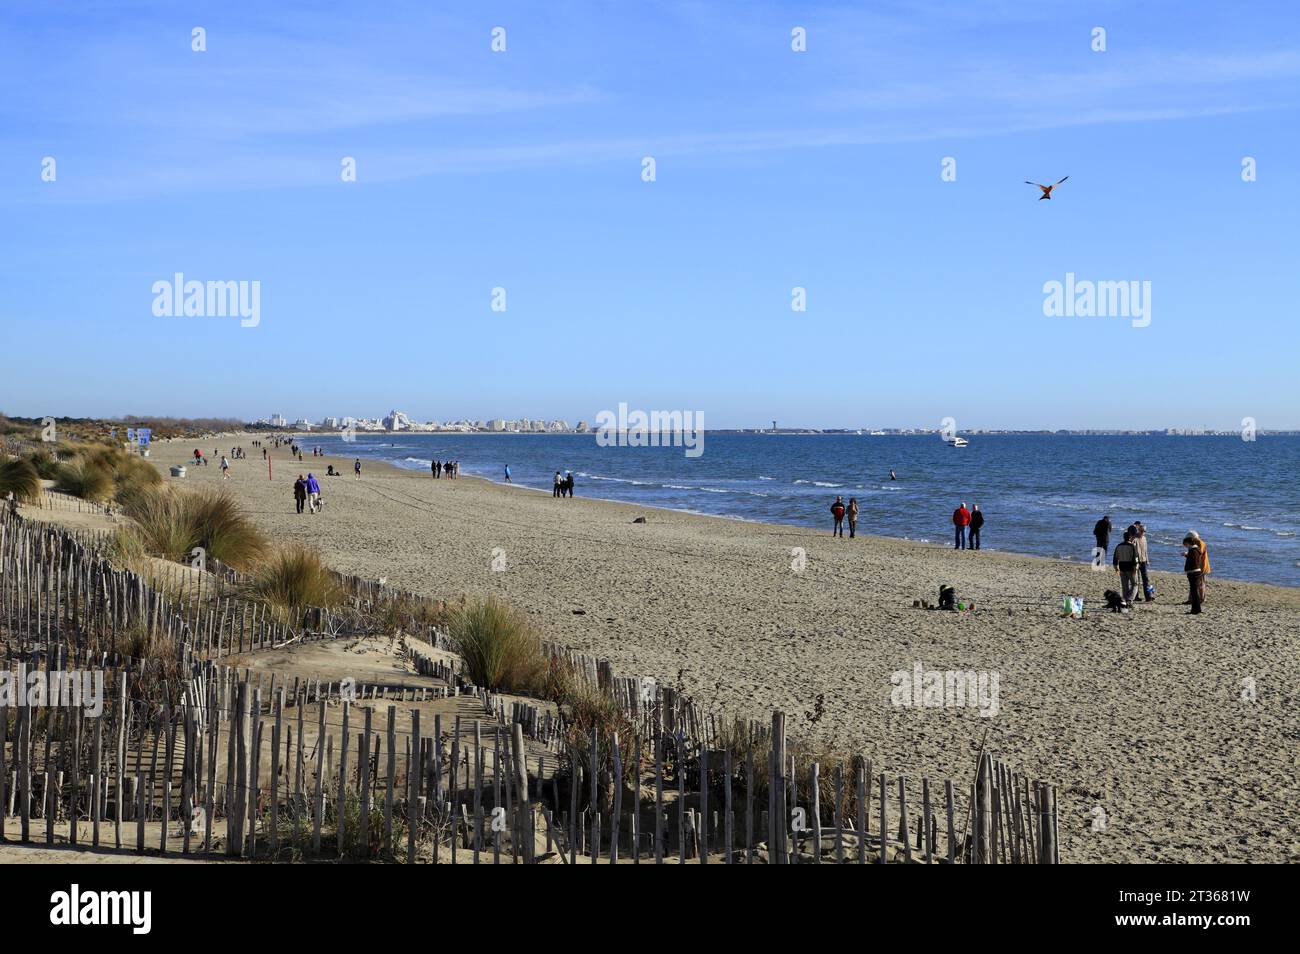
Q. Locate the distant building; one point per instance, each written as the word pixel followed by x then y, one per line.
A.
pixel 278 420
pixel 397 421
pixel 582 427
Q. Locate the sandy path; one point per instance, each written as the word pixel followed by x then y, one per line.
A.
pixel 1140 714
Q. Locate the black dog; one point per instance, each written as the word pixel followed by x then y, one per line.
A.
pixel 1114 602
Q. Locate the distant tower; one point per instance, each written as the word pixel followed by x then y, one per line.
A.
pixel 774 426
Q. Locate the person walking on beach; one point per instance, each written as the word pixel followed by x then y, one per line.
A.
pixel 1205 567
pixel 1126 560
pixel 507 473
pixel 313 493
pixel 837 511
pixel 1192 562
pixel 1101 533
pixel 976 522
pixel 300 492
pixel 356 468
pixel 555 488
pixel 852 514
pixel 568 483
pixel 225 468
pixel 960 521
pixel 1144 557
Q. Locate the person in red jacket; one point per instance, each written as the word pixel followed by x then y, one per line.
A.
pixel 837 511
pixel 960 521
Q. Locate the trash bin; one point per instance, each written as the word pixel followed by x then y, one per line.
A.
pixel 178 470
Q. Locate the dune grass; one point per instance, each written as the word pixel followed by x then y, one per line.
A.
pixel 86 479
pixel 172 525
pixel 46 464
pixel 498 646
pixel 21 477
pixel 132 475
pixel 291 580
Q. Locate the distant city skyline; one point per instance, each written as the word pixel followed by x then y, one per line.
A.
pixel 815 213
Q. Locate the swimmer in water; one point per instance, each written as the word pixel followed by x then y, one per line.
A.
pixel 892 475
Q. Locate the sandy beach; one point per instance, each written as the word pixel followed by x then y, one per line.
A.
pixel 1145 721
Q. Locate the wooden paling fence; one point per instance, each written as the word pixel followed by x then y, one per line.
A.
pixel 191 755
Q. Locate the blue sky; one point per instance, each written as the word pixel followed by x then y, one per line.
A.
pixel 775 169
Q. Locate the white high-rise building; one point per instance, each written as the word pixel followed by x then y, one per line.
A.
pixel 397 421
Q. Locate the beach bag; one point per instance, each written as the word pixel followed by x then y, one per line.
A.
pixel 1072 606
pixel 1151 591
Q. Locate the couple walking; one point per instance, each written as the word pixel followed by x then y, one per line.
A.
pixel 966 527
pixel 306 491
pixel 839 512
pixel 562 486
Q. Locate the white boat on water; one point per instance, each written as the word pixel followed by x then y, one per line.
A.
pixel 959 442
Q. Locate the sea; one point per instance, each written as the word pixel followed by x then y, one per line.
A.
pixel 1041 493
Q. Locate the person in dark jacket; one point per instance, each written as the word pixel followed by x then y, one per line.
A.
pixel 1101 532
pixel 567 489
pixel 1192 563
pixel 976 521
pixel 837 512
pixel 1126 561
pixel 300 492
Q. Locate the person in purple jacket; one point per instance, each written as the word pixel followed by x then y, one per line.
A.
pixel 313 493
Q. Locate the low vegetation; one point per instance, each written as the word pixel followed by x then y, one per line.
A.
pixel 19 477
pixel 497 645
pixel 292 580
pixel 173 524
pixel 85 478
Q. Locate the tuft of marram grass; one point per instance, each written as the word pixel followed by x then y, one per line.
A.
pixel 173 524
pixel 126 549
pixel 86 479
pixel 46 464
pixel 132 475
pixel 291 580
pixel 497 645
pixel 21 477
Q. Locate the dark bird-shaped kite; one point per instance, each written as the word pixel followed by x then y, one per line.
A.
pixel 1047 189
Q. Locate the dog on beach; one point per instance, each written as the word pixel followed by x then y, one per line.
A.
pixel 1114 602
